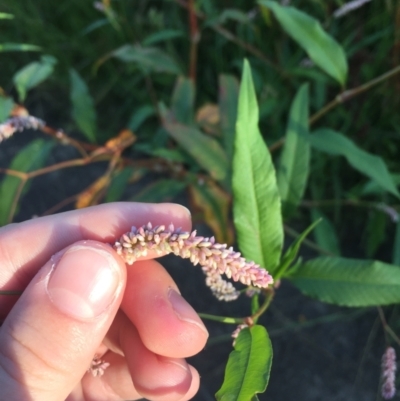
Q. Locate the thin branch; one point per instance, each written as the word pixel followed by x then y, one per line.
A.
pixel 340 99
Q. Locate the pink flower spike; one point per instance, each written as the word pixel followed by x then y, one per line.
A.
pixel 216 259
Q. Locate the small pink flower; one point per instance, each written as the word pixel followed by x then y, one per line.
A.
pixel 13 124
pixel 389 373
pixel 97 367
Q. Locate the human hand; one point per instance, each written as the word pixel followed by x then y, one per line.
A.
pixel 80 300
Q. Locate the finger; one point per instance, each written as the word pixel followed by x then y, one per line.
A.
pixel 166 323
pixel 50 336
pixel 155 377
pixel 24 247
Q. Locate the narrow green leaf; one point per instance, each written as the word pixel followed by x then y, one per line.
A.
pixel 6 105
pixel 308 33
pixel 149 58
pixel 325 233
pixel 291 253
pixel 182 103
pixel 30 158
pixel 228 103
pixel 162 36
pixel 83 111
pixel 18 47
pixel 349 282
pixel 234 15
pixel 294 164
pixel 6 16
pixel 160 191
pixel 248 368
pixel 205 150
pixel 370 165
pixel 33 74
pixel 140 116
pixel 256 206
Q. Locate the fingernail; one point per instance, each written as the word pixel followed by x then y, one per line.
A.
pixel 184 311
pixel 84 281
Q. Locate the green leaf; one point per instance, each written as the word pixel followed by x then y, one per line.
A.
pixel 291 253
pixel 33 74
pixel 205 150
pixel 308 33
pixel 325 233
pixel 6 16
pixel 162 36
pixel 83 111
pixel 256 206
pixel 234 15
pixel 370 165
pixel 228 103
pixel 294 164
pixel 6 105
pixel 349 282
pixel 160 191
pixel 18 47
pixel 150 59
pixel 182 103
pixel 248 368
pixel 140 116
pixel 30 158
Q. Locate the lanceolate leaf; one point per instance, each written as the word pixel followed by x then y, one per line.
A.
pixel 291 254
pixel 205 150
pixel 249 365
pixel 257 206
pixel 18 47
pixel 372 166
pixel 150 59
pixel 33 74
pixel 183 101
pixel 349 282
pixel 293 168
pixel 228 103
pixel 308 33
pixel 83 111
pixel 6 105
pixel 32 157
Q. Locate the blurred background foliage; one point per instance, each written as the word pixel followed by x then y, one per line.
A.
pixel 147 91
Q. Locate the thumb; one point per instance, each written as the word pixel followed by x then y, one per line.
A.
pixel 52 333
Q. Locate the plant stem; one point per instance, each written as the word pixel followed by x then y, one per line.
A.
pixel 240 320
pixel 349 94
pixel 194 40
pixel 222 319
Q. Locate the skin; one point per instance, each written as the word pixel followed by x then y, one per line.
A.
pixel 144 332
